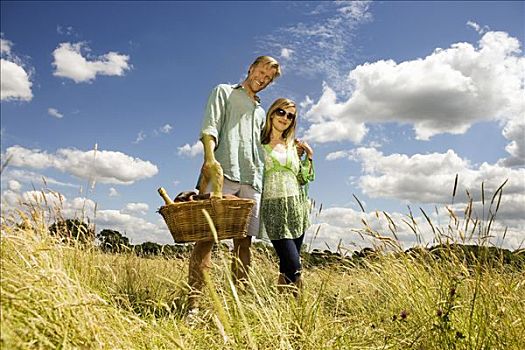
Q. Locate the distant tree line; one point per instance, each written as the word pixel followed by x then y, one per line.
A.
pixel 470 255
pixel 111 241
pixel 76 231
pixel 72 230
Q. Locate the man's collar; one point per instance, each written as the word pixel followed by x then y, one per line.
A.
pixel 239 86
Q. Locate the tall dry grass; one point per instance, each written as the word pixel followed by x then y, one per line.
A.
pixel 59 296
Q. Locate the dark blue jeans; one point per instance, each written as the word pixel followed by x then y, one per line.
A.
pixel 289 253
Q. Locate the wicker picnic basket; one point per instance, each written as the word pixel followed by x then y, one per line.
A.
pixel 187 222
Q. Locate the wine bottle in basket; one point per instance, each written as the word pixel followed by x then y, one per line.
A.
pixel 165 196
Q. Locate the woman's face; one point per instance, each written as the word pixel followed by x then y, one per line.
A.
pixel 283 117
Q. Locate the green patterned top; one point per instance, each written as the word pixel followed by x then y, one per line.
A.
pixel 285 207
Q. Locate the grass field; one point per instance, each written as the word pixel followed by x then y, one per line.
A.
pixel 63 296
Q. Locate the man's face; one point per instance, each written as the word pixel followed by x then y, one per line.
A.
pixel 259 77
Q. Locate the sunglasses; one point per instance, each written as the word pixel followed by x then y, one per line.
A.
pixel 282 113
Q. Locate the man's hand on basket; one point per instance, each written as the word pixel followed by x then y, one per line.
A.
pixel 212 171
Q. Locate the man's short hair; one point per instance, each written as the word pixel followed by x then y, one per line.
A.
pixel 268 60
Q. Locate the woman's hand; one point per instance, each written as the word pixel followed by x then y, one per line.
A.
pixel 302 147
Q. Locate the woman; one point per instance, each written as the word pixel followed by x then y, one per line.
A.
pixel 284 216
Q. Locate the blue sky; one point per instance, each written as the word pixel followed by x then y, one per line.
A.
pixel 396 98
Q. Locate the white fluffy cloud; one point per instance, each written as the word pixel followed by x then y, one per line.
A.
pixel 135 208
pixel 57 206
pixel 113 192
pixel 166 129
pixel 140 137
pixel 14 185
pixel 79 207
pixel 337 155
pixel 31 178
pixel 42 198
pixel 69 62
pixel 191 151
pixel 16 84
pixel 54 204
pixel 445 92
pixel 515 132
pixel 344 227
pixel 136 229
pixel 286 53
pixel 5 46
pixel 54 113
pixel 326 128
pixel 101 166
pixel 477 27
pixel 429 178
pixel 16 79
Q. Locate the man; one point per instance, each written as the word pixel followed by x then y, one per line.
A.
pixel 231 133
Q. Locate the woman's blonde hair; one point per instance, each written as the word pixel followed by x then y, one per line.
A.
pixel 289 133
